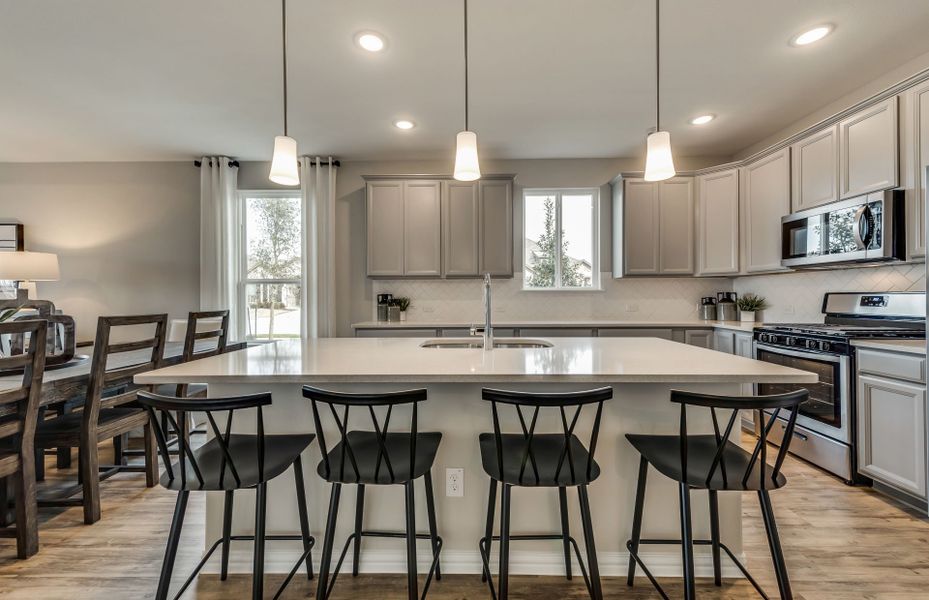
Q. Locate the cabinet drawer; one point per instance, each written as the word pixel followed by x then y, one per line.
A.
pixel 890 364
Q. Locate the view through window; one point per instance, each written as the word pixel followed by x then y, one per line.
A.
pixel 560 230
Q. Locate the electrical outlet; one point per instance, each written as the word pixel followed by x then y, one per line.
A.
pixel 454 482
pixel 632 308
pixel 789 309
pixel 428 309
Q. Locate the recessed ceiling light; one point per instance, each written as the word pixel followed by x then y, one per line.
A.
pixel 404 124
pixel 702 119
pixel 370 41
pixel 813 35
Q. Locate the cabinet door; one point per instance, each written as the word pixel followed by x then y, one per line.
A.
pixel 422 251
pixel 724 341
pixel 743 345
pixel 815 169
pixel 496 218
pixel 868 150
pixel 892 433
pixel 461 228
pixel 385 218
pixel 699 337
pixel 640 227
pixel 765 198
pixel 665 334
pixel 676 226
pixel 718 223
pixel 916 147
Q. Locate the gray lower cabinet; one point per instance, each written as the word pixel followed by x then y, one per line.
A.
pixel 724 341
pixel 699 337
pixel 556 332
pixel 665 334
pixel 395 333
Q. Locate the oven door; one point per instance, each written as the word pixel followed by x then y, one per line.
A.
pixel 827 410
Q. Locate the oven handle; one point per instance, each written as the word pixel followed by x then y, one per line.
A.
pixel 799 354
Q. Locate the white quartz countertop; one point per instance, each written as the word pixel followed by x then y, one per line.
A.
pixel 502 323
pixel 366 360
pixel 906 346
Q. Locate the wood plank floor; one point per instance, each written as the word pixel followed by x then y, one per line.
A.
pixel 841 542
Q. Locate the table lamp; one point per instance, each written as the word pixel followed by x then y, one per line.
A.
pixel 25 268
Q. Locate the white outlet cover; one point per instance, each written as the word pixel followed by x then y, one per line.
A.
pixel 454 482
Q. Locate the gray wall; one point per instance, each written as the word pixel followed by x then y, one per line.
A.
pixel 126 234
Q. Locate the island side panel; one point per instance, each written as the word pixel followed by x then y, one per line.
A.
pixel 456 410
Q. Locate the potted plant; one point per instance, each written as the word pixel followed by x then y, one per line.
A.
pixel 403 303
pixel 749 304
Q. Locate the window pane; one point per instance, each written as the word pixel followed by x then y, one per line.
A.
pixel 577 240
pixel 540 242
pixel 273 310
pixel 272 230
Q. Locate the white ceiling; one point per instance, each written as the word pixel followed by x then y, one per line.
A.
pixel 171 79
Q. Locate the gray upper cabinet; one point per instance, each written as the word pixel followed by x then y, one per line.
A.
pixel 915 160
pixel 422 221
pixel 496 227
pixel 657 225
pixel 718 223
pixel 640 227
pixel 764 199
pixel 385 218
pixel 676 226
pixel 868 150
pixel 815 169
pixel 461 229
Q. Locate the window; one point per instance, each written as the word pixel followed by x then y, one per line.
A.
pixel 271 289
pixel 561 239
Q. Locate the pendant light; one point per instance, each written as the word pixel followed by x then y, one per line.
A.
pixel 467 167
pixel 284 169
pixel 659 164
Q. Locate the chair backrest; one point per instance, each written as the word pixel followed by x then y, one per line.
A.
pixel 569 406
pixel 20 405
pixel 180 407
pixel 193 336
pixel 115 364
pixel 345 402
pixel 789 402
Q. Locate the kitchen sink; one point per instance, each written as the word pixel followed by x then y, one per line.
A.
pixel 478 343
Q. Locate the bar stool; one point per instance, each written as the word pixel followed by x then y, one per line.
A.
pixel 712 462
pixel 554 460
pixel 227 462
pixel 376 457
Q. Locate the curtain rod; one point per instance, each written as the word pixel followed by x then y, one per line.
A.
pixel 232 163
pixel 322 163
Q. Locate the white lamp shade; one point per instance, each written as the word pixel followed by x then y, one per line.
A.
pixel 29 266
pixel 467 167
pixel 284 169
pixel 659 164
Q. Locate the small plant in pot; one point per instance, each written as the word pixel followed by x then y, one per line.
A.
pixel 749 304
pixel 403 303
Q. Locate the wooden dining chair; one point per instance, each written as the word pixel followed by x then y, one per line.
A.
pixel 19 408
pixel 105 417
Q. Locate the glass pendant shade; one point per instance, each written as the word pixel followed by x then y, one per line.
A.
pixel 467 167
pixel 284 170
pixel 659 164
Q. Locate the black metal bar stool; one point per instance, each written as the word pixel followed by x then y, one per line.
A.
pixel 712 462
pixel 549 460
pixel 227 462
pixel 376 457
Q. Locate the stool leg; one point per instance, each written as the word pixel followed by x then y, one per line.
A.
pixel 565 531
pixel 637 517
pixel 359 519
pixel 328 540
pixel 687 544
pixel 714 536
pixel 118 458
pixel 301 509
pixel 592 565
pixel 39 461
pixel 174 537
pixel 227 532
pixel 503 578
pixel 411 581
pixel 258 567
pixel 489 528
pixel 63 454
pixel 780 567
pixel 433 529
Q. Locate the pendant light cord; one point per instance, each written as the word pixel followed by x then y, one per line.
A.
pixel 657 66
pixel 284 56
pixel 466 61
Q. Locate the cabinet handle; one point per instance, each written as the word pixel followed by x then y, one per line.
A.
pixel 796 433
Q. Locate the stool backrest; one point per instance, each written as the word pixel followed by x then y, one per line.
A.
pixel 219 333
pixel 180 407
pixel 20 405
pixel 789 403
pixel 569 406
pixel 345 402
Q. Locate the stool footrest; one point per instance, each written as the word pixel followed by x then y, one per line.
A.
pixel 483 548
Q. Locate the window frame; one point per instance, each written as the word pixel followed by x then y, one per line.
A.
pixel 595 280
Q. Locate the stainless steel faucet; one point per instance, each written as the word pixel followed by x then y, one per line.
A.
pixel 487 330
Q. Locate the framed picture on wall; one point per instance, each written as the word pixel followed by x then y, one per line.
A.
pixel 11 240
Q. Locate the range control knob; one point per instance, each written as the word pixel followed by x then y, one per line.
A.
pixel 764 337
pixel 825 346
pixel 812 344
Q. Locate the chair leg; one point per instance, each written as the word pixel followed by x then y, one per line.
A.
pixel 359 520
pixel 174 537
pixel 565 530
pixel 411 580
pixel 27 519
pixel 118 457
pixel 304 520
pixel 326 559
pixel 258 567
pixel 687 545
pixel 774 542
pixel 593 566
pixel 90 480
pixel 637 517
pixel 489 527
pixel 714 536
pixel 433 528
pixel 227 533
pixel 151 455
pixel 38 459
pixel 503 577
pixel 63 458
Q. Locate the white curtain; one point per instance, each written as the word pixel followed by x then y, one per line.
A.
pixel 218 237
pixel 317 183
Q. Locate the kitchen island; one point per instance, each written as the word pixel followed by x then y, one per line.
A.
pixel 642 371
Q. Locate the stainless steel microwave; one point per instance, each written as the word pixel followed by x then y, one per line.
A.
pixel 864 229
